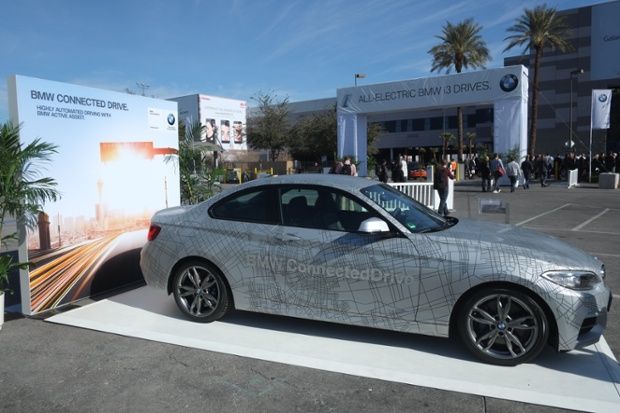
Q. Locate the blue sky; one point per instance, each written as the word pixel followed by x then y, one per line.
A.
pixel 300 49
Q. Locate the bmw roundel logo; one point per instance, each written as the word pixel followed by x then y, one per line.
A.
pixel 509 83
pixel 602 98
pixel 171 119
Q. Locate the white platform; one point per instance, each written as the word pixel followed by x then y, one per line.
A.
pixel 587 380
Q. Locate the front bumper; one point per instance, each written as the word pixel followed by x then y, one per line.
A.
pixel 582 317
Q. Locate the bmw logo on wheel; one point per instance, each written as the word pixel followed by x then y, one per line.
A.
pixel 509 83
pixel 171 119
pixel 602 98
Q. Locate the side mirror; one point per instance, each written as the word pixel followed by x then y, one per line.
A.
pixel 374 226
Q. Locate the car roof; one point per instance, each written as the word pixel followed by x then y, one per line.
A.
pixel 331 180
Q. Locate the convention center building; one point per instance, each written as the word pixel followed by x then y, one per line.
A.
pixel 566 82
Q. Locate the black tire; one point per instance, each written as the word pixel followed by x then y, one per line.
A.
pixel 200 292
pixel 503 327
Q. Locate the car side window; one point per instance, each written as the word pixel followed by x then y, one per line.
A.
pixel 258 205
pixel 321 208
pixel 297 206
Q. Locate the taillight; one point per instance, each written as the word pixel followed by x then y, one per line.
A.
pixel 153 232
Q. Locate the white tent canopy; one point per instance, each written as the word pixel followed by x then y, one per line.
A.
pixel 505 87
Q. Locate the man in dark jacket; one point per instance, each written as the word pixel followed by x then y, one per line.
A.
pixel 485 174
pixel 383 172
pixel 527 168
pixel 541 170
pixel 442 185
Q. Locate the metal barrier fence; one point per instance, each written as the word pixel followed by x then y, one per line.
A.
pixel 424 193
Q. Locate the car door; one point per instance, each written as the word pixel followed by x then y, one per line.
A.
pixel 244 227
pixel 327 269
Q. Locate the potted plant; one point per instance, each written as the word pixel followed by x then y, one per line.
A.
pixel 199 179
pixel 6 266
pixel 24 191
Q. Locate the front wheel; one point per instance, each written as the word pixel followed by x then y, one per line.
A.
pixel 200 292
pixel 503 327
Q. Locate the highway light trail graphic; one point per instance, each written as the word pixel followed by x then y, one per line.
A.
pixel 64 276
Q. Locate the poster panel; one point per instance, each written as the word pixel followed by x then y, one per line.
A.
pixel 605 41
pixel 225 121
pixel 115 167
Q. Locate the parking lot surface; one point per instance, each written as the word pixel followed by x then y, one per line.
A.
pixel 56 368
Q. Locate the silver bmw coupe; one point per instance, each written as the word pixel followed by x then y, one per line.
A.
pixel 351 250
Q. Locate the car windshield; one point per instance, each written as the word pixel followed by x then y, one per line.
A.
pixel 409 212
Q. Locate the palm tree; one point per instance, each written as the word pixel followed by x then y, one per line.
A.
pixel 470 138
pixel 462 47
pixel 446 138
pixel 23 189
pixel 536 29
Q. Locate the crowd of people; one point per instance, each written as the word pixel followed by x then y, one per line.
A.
pixel 542 167
pixel 531 168
pixel 397 170
pixel 601 163
pixel 537 168
pixel 344 167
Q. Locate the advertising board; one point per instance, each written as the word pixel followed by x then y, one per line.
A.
pixel 115 167
pixel 224 119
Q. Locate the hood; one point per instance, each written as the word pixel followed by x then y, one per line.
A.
pixel 523 242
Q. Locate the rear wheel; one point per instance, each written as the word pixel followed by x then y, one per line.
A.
pixel 503 327
pixel 200 292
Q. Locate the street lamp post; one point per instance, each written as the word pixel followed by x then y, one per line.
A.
pixel 570 109
pixel 142 86
pixel 360 76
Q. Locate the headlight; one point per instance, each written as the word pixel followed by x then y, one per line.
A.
pixel 575 280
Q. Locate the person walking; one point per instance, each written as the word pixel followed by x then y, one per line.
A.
pixel 383 172
pixel 541 170
pixel 610 162
pixel 527 168
pixel 497 170
pixel 441 183
pixel 348 168
pixel 513 172
pixel 403 167
pixel 335 169
pixel 472 168
pixel 397 171
pixel 549 161
pixel 485 174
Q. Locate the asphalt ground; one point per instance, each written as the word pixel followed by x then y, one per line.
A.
pixel 47 367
